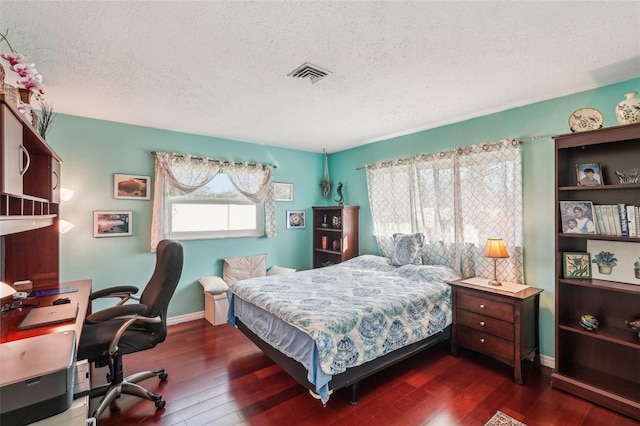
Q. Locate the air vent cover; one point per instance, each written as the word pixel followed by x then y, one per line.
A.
pixel 312 72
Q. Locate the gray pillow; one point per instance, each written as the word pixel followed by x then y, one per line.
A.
pixel 407 249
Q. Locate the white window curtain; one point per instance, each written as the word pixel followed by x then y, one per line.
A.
pixel 254 181
pixel 457 199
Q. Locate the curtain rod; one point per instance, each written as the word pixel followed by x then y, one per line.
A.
pixel 213 160
pixel 532 138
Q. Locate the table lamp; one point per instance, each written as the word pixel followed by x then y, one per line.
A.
pixel 6 294
pixel 495 249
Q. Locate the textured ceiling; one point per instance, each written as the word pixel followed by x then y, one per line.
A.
pixel 220 68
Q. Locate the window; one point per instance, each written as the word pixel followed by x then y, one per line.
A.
pixel 217 210
pixel 201 197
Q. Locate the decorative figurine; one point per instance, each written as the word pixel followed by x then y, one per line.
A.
pixel 634 325
pixel 588 322
pixel 340 199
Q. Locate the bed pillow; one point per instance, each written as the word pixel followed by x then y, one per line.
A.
pixel 240 268
pixel 213 285
pixel 278 270
pixel 407 249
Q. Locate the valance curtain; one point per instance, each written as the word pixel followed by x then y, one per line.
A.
pixel 179 174
pixel 457 199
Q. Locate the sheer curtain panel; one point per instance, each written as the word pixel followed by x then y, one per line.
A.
pixel 179 174
pixel 457 199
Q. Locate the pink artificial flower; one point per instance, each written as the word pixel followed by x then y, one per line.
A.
pixel 14 58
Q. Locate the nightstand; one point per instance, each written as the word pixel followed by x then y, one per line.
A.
pixel 497 323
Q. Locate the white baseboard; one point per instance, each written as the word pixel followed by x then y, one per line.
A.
pixel 185 318
pixel 548 361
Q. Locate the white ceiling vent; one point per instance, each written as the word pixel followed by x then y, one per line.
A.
pixel 312 72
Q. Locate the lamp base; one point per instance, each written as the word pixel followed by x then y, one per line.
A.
pixel 495 283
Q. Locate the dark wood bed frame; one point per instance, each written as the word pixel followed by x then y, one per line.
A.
pixel 352 376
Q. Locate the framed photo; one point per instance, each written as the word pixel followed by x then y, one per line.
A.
pixel 112 223
pixel 577 217
pixel 588 174
pixel 615 261
pixel 131 187
pixel 283 191
pixel 577 265
pixel 296 219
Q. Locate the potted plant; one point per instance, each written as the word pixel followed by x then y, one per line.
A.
pixel 605 262
pixel 636 268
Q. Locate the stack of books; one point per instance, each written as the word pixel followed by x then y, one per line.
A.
pixel 620 220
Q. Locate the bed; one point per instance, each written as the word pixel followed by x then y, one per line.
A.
pixel 331 327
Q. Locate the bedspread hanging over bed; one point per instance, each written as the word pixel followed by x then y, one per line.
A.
pixel 357 310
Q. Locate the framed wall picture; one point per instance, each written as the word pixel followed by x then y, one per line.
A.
pixel 615 261
pixel 588 174
pixel 296 219
pixel 283 191
pixel 577 265
pixel 577 217
pixel 131 187
pixel 112 223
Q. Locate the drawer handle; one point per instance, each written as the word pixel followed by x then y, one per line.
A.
pixel 481 306
pixel 482 323
pixel 481 340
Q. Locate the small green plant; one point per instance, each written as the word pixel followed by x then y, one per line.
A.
pixel 605 258
pixel 636 264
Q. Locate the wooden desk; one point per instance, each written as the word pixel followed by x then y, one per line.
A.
pixel 10 320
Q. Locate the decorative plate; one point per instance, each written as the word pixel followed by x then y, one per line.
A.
pixel 585 119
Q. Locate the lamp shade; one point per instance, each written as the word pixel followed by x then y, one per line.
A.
pixel 495 249
pixel 64 226
pixel 6 290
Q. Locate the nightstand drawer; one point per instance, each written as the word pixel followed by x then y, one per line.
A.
pixel 485 342
pixel 485 306
pixel 485 323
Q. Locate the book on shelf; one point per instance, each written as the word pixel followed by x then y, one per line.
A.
pixel 624 224
pixel 637 209
pixel 608 214
pixel 631 221
pixel 599 222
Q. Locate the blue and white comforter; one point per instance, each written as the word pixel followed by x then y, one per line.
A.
pixel 357 310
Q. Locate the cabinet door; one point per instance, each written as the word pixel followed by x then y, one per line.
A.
pixel 55 181
pixel 13 154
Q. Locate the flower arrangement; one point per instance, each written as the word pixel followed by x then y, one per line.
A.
pixel 29 77
pixel 30 80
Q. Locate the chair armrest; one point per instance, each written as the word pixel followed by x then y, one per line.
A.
pixel 123 292
pixel 116 312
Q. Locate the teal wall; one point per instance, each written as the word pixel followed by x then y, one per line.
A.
pixel 545 119
pixel 93 150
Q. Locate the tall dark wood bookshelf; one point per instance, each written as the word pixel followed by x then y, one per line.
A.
pixel 335 234
pixel 601 366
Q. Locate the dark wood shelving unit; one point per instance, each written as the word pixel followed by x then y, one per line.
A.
pixel 29 202
pixel 601 365
pixel 335 234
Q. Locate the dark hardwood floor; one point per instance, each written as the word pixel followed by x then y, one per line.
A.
pixel 218 377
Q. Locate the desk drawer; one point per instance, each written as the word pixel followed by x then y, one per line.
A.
pixel 485 306
pixel 485 323
pixel 485 343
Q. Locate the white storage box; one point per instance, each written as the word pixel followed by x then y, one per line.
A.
pixel 216 308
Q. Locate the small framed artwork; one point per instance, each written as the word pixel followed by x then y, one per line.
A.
pixel 112 223
pixel 296 219
pixel 577 217
pixel 283 191
pixel 131 187
pixel 589 174
pixel 577 265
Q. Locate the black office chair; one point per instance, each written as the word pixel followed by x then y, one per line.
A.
pixel 127 328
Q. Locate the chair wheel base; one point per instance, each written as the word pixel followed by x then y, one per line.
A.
pixel 160 403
